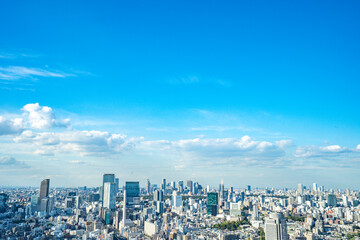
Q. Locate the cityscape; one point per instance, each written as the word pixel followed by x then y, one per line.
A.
pixel 178 210
pixel 179 120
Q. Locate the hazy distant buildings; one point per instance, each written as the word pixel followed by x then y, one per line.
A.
pixel 189 185
pixel 163 184
pixel 315 187
pixel 275 227
pixel 181 186
pixel 148 186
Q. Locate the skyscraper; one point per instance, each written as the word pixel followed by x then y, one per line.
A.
pixel 221 191
pixel 255 213
pixel 181 186
pixel 212 203
pixel 176 199
pixel 106 178
pixel 148 186
pixel 132 193
pixel 125 215
pixel 189 185
pixel 314 187
pixel 158 195
pixel 331 200
pixel 195 188
pixel 117 181
pixel 163 184
pixel 275 227
pixel 300 189
pixel 44 189
pixel 109 195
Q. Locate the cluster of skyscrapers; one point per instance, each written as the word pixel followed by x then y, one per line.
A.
pixel 175 210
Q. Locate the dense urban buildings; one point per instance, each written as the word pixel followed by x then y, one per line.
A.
pixel 175 211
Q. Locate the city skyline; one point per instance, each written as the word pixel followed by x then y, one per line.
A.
pixel 261 94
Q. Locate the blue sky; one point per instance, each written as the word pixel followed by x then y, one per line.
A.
pixel 255 92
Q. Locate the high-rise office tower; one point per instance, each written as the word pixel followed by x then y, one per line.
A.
pixel 106 178
pixel 347 192
pixel 345 201
pixel 173 185
pixel 242 196
pixel 255 213
pixel 148 186
pixel 176 199
pixel 300 189
pixel 212 203
pixel 132 193
pixel 181 186
pixel 117 181
pixel 195 188
pixel 189 185
pixel 125 216
pixel 158 195
pixel 275 227
pixel 249 188
pixel 331 200
pixel 160 207
pixel 314 187
pixel 222 191
pixel 109 195
pixel 47 205
pixel 44 189
pixel 163 184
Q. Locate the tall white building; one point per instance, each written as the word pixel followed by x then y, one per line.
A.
pixel 255 213
pixel 176 199
pixel 315 187
pixel 109 195
pixel 275 227
pixel 300 189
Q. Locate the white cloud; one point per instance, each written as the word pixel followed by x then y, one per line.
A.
pixel 78 162
pixel 321 151
pixel 39 117
pixel 19 72
pixel 284 143
pixel 85 143
pixel 34 117
pixel 7 161
pixel 11 126
pixel 225 151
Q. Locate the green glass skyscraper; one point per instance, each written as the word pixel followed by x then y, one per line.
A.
pixel 212 203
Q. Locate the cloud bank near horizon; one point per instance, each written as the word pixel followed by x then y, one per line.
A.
pixel 37 131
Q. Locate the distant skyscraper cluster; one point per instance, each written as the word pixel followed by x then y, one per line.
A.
pixel 171 210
